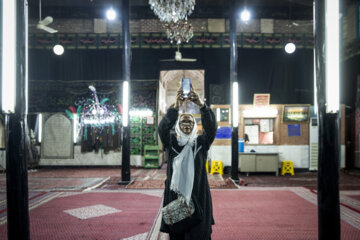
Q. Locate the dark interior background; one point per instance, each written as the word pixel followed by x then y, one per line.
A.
pixel 288 78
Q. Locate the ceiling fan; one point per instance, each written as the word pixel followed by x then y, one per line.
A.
pixel 42 24
pixel 178 58
pixel 297 24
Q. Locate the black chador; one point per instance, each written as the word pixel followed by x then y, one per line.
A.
pixel 200 190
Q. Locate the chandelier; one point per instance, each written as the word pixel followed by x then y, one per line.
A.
pixel 98 113
pixel 172 10
pixel 180 31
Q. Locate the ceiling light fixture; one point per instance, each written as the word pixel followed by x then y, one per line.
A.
pixel 180 31
pixel 245 15
pixel 58 49
pixel 111 14
pixel 290 48
pixel 172 11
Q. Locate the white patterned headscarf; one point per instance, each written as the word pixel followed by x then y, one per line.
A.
pixel 182 180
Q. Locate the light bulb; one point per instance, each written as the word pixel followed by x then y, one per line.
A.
pixel 245 15
pixel 58 49
pixel 290 48
pixel 110 14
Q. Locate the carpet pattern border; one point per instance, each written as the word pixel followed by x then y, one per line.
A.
pixel 34 202
pixel 346 214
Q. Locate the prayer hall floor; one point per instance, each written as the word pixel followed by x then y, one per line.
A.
pixel 87 203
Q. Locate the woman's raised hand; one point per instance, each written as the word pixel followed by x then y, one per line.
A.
pixel 179 99
pixel 195 98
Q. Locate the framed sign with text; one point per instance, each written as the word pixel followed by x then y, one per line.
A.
pixel 298 113
pixel 261 99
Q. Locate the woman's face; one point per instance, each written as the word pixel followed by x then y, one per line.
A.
pixel 186 124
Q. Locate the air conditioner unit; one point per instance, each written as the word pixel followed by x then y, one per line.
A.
pixel 313 144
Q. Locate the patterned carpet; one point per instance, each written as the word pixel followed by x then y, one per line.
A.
pixel 262 213
pixel 155 179
pixel 56 183
pixel 288 213
pixel 89 204
pixel 303 179
pixel 36 199
pixel 94 215
pixel 272 213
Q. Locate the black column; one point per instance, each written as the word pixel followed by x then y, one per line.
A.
pixel 233 78
pixel 16 165
pixel 125 166
pixel 328 165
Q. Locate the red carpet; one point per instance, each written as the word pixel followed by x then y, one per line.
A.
pixel 356 197
pixel 156 180
pixel 134 215
pixel 267 214
pixel 351 200
pixel 241 214
pixel 35 199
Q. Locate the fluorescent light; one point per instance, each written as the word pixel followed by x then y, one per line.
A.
pixel 125 103
pixel 58 49
pixel 40 127
pixel 75 121
pixel 218 115
pixel 260 112
pixel 332 55
pixel 245 15
pixel 110 14
pixel 8 55
pixel 290 48
pixel 141 113
pixel 26 57
pixel 315 87
pixel 98 121
pixel 235 107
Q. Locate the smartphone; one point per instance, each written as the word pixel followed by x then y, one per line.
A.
pixel 186 86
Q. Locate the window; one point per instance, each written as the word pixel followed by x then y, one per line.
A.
pixel 259 130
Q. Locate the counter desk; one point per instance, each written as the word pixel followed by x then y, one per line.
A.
pixel 258 162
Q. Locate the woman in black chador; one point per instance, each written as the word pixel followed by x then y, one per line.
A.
pixel 186 173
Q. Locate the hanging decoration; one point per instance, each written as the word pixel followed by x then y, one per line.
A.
pixel 180 31
pixel 99 123
pixel 172 10
pixel 97 112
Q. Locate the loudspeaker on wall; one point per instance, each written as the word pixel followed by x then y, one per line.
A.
pixel 217 93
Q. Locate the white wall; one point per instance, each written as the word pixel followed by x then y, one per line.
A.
pixel 298 154
pixel 136 160
pixel 2 159
pixel 220 153
pixel 85 159
pixel 342 156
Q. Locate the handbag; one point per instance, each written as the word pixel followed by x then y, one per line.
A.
pixel 180 216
